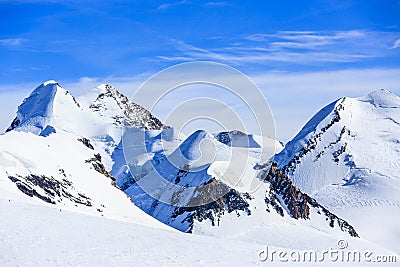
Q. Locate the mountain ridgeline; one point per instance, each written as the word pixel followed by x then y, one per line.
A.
pixel 77 160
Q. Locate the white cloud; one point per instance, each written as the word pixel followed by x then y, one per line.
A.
pixel 299 47
pixel 170 5
pixel 11 42
pixel 310 39
pixel 253 54
pixel 396 44
pixel 217 4
pixel 164 6
pixel 257 37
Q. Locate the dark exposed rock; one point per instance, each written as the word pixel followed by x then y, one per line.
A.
pixel 54 190
pixel 339 152
pixel 14 124
pixel 99 167
pixel 97 156
pixel 182 173
pixel 232 201
pixel 224 137
pixel 342 132
pixel 344 226
pixel 298 204
pixel 62 172
pixel 271 199
pixel 134 114
pixel 311 144
pixel 73 98
pixel 86 142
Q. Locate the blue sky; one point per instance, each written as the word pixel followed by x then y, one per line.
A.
pixel 80 41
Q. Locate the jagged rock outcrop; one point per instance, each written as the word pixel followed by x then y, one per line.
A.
pixel 232 201
pixel 99 167
pixel 49 189
pixel 132 114
pixel 86 142
pixel 298 204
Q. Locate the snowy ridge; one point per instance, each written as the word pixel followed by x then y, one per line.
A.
pixel 201 166
pixel 186 167
pixel 347 157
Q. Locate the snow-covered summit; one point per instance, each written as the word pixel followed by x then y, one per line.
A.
pixel 46 103
pixel 48 82
pixel 114 107
pixel 347 157
pixel 346 118
pixel 382 98
pixel 201 148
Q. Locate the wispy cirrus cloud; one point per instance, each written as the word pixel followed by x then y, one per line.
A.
pixel 217 4
pixel 173 4
pixel 308 39
pixel 296 47
pixel 396 44
pixel 258 55
pixel 305 36
pixel 12 42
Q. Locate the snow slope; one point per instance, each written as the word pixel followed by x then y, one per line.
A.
pixel 347 157
pixel 35 235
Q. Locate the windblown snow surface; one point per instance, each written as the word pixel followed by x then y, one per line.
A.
pixel 67 197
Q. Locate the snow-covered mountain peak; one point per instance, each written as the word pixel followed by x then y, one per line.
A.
pixel 114 107
pixel 200 149
pixel 50 82
pixel 191 147
pixel 37 110
pixel 382 98
pixel 105 87
pixel 344 113
pixel 111 91
pixel 50 107
pixel 347 157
